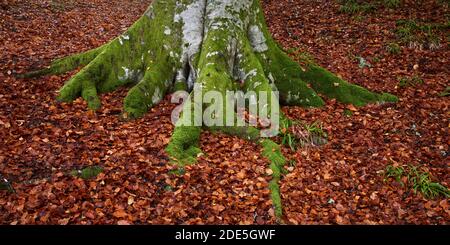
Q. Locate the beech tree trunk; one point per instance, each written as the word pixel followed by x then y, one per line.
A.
pixel 220 45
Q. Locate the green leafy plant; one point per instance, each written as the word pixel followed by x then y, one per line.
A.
pixel 310 134
pixel 413 81
pixel 418 180
pixel 358 18
pixel 292 163
pixel 348 113
pixel 377 59
pixel 58 5
pixel 354 6
pixel 419 35
pixel 446 92
pixel 421 181
pixel 395 172
pixel 405 30
pixel 315 128
pixel 391 3
pixel 295 133
pixel 393 48
pixel 179 171
pixel 366 6
pixel 403 82
pixel 287 138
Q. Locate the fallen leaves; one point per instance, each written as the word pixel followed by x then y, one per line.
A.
pixel 123 222
pixel 241 174
pixel 130 200
pixel 120 213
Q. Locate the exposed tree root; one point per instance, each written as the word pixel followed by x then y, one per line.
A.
pixel 216 45
pixel 277 161
pixel 66 64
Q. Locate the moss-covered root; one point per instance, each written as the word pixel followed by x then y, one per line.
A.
pixel 328 84
pixel 285 75
pixel 66 64
pixel 323 82
pixel 273 153
pixel 150 90
pixel 183 147
pixel 84 83
pixel 244 132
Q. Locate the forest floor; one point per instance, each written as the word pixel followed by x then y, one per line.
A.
pixel 343 182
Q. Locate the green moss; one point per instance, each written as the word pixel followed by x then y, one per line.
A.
pixel 293 89
pixel 330 85
pixel 183 147
pixel 353 6
pixel 272 152
pixel 244 132
pixel 297 93
pixel 179 171
pixel 386 97
pixel 299 85
pixel 393 48
pixel 180 86
pixel 215 77
pixel 420 33
pixel 348 113
pixel 88 172
pixel 276 198
pixel 446 92
pixel 89 93
pixel 149 91
pixel 68 63
pixel 70 91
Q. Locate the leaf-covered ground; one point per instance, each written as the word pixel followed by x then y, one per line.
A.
pixel 42 142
